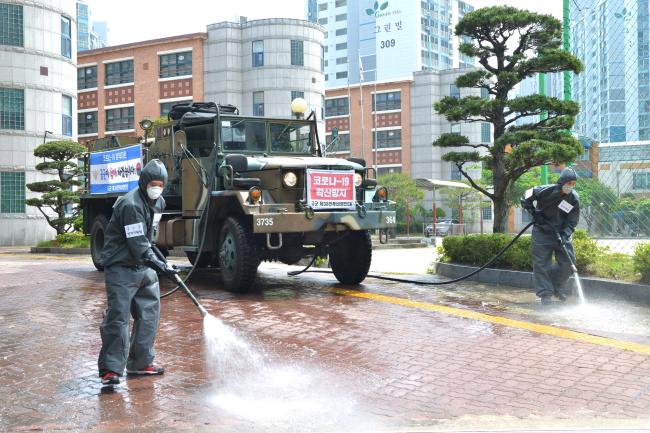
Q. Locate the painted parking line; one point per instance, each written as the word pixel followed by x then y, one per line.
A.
pixel 529 326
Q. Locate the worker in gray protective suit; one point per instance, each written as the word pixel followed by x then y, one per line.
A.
pixel 130 267
pixel 556 211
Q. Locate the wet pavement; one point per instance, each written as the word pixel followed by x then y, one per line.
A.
pixel 315 356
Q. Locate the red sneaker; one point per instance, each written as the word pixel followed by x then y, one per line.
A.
pixel 148 370
pixel 110 378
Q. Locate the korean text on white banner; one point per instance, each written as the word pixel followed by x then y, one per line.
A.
pixel 115 170
pixel 330 189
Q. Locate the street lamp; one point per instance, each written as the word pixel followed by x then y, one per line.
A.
pixel 146 125
pixel 45 135
pixel 299 107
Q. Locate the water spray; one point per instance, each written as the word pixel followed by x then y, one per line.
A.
pixel 574 268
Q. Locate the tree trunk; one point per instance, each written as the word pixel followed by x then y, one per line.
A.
pixel 500 215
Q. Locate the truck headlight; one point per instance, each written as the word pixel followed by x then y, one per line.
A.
pixel 358 179
pixel 290 179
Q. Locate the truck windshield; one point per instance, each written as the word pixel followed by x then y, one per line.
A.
pixel 291 138
pixel 243 135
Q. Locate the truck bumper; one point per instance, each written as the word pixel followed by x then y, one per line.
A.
pixel 288 222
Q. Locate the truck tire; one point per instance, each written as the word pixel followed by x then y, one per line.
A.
pixel 351 256
pixel 238 259
pixel 97 231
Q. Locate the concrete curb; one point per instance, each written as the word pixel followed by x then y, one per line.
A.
pixel 57 250
pixel 599 287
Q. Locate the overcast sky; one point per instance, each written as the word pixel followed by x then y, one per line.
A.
pixel 139 20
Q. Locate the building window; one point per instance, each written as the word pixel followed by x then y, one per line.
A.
pixel 454 91
pixel 87 77
pixel 640 180
pixel 297 94
pixel 341 17
pixel 342 46
pixel 176 65
pixel 12 192
pixel 455 173
pixel 12 109
pixel 341 60
pixel 381 171
pixel 455 128
pixel 337 107
pixel 322 21
pixel 66 115
pixel 119 72
pixel 258 53
pixel 385 139
pixel 66 39
pixel 87 123
pixel 258 103
pixel 165 107
pixel 11 25
pixel 297 57
pixel 485 132
pixel 387 101
pixel 322 7
pixel 342 143
pixel 340 3
pixel 322 58
pixel 485 94
pixel 119 119
pixel 616 133
pixel 341 32
pixel 343 74
pixel 486 212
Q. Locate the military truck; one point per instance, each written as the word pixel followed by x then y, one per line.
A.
pixel 244 189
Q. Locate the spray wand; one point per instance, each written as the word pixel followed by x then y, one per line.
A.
pixel 178 280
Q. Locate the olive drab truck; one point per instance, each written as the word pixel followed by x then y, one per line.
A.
pixel 244 189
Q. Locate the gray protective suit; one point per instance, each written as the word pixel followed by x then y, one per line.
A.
pixel 131 283
pixel 555 213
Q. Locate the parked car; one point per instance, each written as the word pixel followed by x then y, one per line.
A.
pixel 443 226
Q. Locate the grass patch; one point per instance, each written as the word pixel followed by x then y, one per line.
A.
pixel 615 266
pixel 67 240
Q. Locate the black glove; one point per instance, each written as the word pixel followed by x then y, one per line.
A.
pixel 564 237
pixel 538 217
pixel 158 265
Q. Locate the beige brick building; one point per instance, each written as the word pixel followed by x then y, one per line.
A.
pixel 119 86
pixel 380 132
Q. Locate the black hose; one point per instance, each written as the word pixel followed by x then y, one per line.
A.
pixel 427 283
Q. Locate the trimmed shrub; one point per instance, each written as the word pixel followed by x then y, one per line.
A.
pixel 586 249
pixel 476 250
pixel 68 240
pixel 642 261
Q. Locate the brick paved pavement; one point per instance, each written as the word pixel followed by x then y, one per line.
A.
pixel 331 362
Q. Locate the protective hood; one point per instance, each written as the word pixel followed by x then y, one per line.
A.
pixel 154 170
pixel 567 176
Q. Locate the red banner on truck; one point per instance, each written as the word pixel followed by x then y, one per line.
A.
pixel 330 189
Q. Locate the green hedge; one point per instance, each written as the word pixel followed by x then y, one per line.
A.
pixel 642 261
pixel 68 240
pixel 476 250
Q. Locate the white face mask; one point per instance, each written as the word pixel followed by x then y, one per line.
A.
pixel 154 192
pixel 567 189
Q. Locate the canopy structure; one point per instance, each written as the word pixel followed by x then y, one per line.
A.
pixel 432 184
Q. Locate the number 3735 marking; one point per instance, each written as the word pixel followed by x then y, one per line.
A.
pixel 390 220
pixel 264 222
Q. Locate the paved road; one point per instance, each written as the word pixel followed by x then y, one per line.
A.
pixel 318 356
